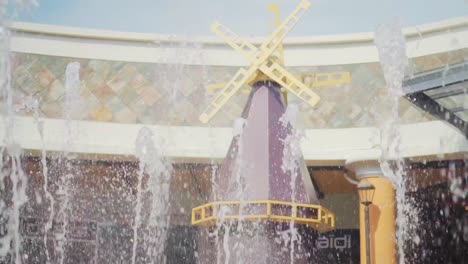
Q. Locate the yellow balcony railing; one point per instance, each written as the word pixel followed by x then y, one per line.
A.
pixel 314 216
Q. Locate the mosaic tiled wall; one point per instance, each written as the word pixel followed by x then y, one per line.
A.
pixel 127 92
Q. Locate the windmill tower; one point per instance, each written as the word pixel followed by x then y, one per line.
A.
pixel 260 186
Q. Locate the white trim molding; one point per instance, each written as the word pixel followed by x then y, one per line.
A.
pixel 353 48
pixel 321 146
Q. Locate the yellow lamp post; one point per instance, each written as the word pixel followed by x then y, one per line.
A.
pixel 366 194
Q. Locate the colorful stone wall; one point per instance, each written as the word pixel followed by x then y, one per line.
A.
pixel 175 94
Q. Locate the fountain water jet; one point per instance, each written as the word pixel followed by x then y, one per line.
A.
pixel 391 46
pixel 12 177
pixel 154 176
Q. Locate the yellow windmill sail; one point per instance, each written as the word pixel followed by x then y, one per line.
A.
pixel 264 64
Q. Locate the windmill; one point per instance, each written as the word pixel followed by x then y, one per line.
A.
pixel 267 63
pixel 270 194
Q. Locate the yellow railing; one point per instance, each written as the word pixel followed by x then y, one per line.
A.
pixel 315 216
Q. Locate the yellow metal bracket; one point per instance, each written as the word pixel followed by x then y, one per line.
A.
pixel 326 79
pixel 311 80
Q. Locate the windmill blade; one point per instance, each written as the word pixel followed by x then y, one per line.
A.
pixel 289 82
pixel 249 51
pixel 275 39
pixel 240 78
pixel 258 58
pixel 277 23
pixel 244 47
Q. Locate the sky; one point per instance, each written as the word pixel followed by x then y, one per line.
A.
pixel 245 17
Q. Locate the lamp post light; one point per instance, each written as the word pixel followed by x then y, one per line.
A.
pixel 366 194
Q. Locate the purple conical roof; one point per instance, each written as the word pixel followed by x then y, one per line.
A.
pixel 254 165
